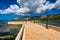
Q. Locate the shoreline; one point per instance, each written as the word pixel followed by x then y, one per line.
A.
pixel 57 28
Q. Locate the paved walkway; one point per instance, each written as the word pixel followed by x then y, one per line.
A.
pixel 37 32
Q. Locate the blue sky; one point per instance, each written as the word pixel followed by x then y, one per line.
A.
pixel 16 8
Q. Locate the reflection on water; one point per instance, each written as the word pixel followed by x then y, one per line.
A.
pixel 6 30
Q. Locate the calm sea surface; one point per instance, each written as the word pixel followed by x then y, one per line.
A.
pixel 51 22
pixel 5 29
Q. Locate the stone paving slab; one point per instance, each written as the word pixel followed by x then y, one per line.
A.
pixel 37 32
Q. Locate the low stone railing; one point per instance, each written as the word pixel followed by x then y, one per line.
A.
pixel 20 34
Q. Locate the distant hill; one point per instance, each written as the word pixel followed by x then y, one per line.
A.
pixel 20 19
pixel 52 17
pixel 55 17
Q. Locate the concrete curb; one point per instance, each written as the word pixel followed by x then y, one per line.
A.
pixel 20 34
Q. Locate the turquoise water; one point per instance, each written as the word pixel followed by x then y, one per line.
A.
pixel 4 28
pixel 9 31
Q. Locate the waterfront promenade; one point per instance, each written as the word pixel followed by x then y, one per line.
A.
pixel 33 31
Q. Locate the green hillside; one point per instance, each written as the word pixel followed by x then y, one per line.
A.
pixel 50 17
pixel 54 17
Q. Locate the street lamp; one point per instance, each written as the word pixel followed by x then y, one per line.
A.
pixel 47 19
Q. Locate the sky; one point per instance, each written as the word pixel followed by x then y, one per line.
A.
pixel 10 9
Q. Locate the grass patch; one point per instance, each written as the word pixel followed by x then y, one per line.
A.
pixel 7 37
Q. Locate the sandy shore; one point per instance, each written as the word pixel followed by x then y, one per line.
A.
pixel 37 32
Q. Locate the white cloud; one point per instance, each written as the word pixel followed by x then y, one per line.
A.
pixel 31 5
pixel 45 7
pixel 38 5
pixel 30 1
pixel 57 4
pixel 14 9
pixel 11 9
pixel 22 10
pixel 48 6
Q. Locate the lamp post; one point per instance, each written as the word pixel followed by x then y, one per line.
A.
pixel 47 19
